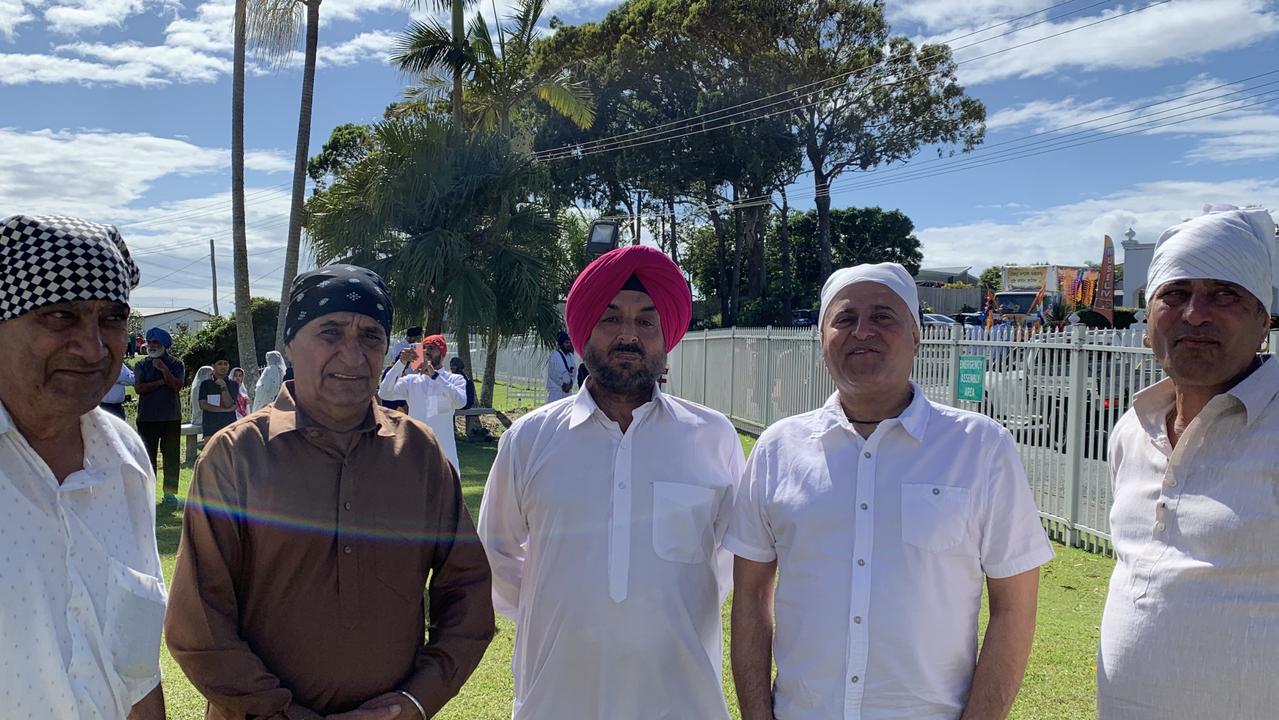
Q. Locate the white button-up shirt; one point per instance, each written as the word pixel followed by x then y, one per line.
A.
pixel 561 369
pixel 1191 627
pixel 605 549
pixel 431 400
pixel 116 395
pixel 881 546
pixel 81 593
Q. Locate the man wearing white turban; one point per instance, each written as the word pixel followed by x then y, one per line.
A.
pixel 1191 625
pixel 881 514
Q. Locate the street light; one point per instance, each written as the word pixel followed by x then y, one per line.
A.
pixel 602 238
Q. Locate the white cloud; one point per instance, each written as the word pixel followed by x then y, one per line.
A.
pixel 73 16
pixel 162 62
pixel 1072 233
pixel 14 13
pixel 1229 123
pixel 23 69
pixel 375 45
pixel 1171 33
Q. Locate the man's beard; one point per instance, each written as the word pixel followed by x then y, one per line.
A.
pixel 155 353
pixel 626 379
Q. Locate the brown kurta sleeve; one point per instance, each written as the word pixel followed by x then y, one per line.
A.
pixel 461 601
pixel 201 625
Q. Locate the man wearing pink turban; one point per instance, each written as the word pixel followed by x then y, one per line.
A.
pixel 603 517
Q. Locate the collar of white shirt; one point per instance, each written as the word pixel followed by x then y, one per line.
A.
pixel 1255 393
pixel 914 419
pixel 584 406
pixel 108 436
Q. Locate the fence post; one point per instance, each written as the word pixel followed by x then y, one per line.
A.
pixel 732 372
pixel 814 353
pixel 706 350
pixel 768 375
pixel 1077 393
pixel 955 331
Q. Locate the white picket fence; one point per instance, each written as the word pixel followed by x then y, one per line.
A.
pixel 1059 392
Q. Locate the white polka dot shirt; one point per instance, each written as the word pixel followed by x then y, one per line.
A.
pixel 81 591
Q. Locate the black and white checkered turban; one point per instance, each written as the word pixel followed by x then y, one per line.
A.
pixel 49 259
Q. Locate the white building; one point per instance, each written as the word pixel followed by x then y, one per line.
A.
pixel 173 320
pixel 1137 257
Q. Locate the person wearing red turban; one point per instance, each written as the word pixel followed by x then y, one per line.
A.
pixel 604 513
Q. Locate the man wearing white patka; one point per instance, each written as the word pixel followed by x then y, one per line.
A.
pixel 880 515
pixel 1191 626
pixel 81 593
pixel 603 516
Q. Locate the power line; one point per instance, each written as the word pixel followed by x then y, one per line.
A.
pixel 175 272
pixel 1207 107
pixel 213 208
pixel 648 136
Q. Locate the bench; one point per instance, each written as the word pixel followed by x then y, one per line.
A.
pixel 192 434
pixel 479 411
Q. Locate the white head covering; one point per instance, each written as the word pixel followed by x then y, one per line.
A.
pixel 1225 243
pixel 204 373
pixel 268 386
pixel 889 274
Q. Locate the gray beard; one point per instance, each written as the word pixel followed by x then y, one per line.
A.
pixel 155 354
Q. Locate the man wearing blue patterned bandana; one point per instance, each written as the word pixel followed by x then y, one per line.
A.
pixel 82 596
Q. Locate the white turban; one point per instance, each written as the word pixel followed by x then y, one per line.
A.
pixel 890 275
pixel 1225 243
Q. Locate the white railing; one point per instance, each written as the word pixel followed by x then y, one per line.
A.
pixel 1059 392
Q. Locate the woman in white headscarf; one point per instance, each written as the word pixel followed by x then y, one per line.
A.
pixel 269 381
pixel 197 415
pixel 242 398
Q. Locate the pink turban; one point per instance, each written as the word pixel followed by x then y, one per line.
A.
pixel 600 282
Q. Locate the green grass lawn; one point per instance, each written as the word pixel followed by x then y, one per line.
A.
pixel 1059 680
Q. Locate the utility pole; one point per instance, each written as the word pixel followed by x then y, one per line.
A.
pixel 213 264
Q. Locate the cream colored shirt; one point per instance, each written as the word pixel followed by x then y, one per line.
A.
pixel 81 592
pixel 605 549
pixel 1191 626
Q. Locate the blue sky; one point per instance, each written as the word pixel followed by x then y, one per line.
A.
pixel 119 111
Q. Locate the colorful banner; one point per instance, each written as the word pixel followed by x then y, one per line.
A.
pixel 1104 302
pixel 1026 277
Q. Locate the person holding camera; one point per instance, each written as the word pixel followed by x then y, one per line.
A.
pixel 561 369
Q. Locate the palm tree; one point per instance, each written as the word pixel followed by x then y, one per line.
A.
pixel 424 209
pixel 239 242
pixel 273 30
pixel 452 46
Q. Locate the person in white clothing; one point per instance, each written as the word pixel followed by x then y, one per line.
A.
pixel 864 531
pixel 412 337
pixel 433 393
pixel 269 381
pixel 82 596
pixel 113 401
pixel 1191 625
pixel 561 369
pixel 602 517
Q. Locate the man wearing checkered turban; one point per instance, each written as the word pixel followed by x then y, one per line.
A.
pixel 83 606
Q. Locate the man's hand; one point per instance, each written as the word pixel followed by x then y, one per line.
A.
pixel 408 355
pixel 383 707
pixel 220 383
pixel 427 367
pixel 158 364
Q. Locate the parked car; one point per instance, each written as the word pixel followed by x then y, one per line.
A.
pixel 803 318
pixel 935 320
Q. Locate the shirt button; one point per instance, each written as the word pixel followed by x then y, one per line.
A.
pixel 865 506
pixel 621 486
pixel 856 679
pixel 1172 482
pixel 858 620
pixel 861 561
pixel 347 549
pixel 866 454
pixel 1159 526
pixel 937 491
pixel 347 506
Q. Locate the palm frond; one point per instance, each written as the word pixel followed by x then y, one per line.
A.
pixel 273 29
pixel 424 47
pixel 572 100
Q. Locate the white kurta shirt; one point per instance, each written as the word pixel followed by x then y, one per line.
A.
pixel 561 369
pixel 1191 627
pixel 431 400
pixel 605 549
pixel 81 592
pixel 881 546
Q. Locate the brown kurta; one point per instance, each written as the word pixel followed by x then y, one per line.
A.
pixel 299 582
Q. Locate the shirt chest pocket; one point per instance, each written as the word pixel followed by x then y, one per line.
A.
pixel 684 521
pixel 135 617
pixel 935 517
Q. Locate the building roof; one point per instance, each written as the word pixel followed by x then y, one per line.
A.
pixel 152 312
pixel 955 270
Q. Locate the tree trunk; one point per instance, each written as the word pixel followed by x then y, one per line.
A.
pixel 459 39
pixel 639 217
pixel 490 368
pixel 822 184
pixel 788 263
pixel 735 279
pixel 239 244
pixel 464 352
pixel 300 154
pixel 721 258
pixel 670 208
